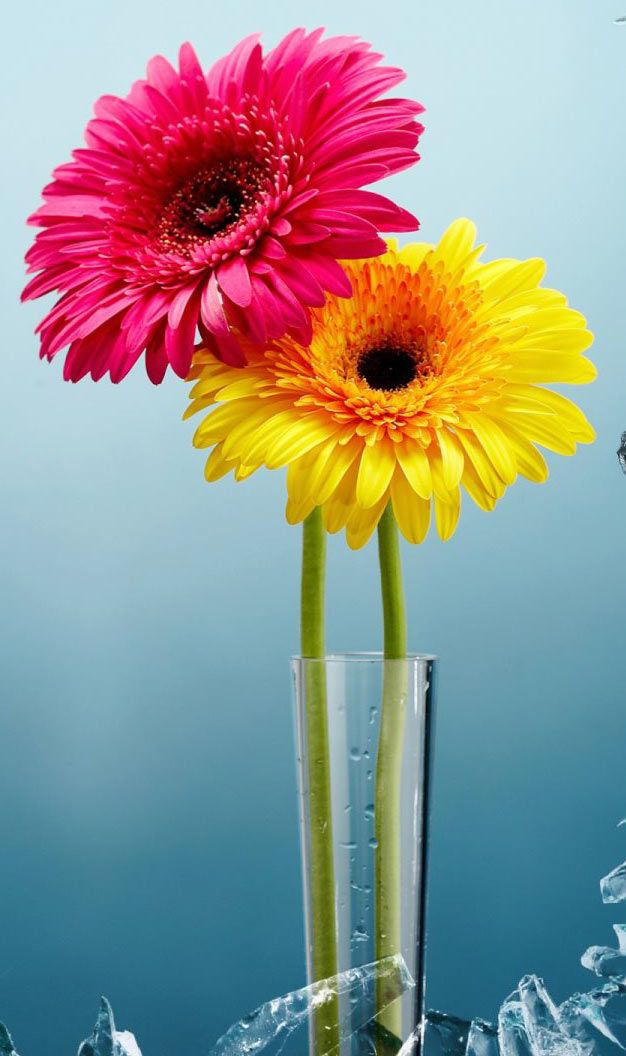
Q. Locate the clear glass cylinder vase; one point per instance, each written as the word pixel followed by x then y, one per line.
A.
pixel 364 746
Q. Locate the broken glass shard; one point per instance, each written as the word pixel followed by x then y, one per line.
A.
pixel 621 451
pixel 613 886
pixel 607 962
pixel 6 1045
pixel 106 1040
pixel 271 1026
pixel 597 1019
pixel 444 1035
pixel 482 1039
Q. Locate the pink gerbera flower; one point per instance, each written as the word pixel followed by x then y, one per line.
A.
pixel 219 202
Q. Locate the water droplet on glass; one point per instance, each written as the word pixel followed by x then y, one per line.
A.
pixel 355 754
pixel 360 934
pixel 373 843
pixel 369 811
pixel 373 714
pixel 348 846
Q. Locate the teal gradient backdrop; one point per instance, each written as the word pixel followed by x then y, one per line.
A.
pixel 148 828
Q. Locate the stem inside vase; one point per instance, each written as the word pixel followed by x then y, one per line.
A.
pixel 323 937
pixel 389 762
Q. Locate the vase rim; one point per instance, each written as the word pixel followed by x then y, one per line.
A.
pixel 367 657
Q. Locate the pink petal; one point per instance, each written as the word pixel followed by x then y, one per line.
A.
pixel 156 357
pixel 330 275
pixel 179 341
pixel 375 208
pixel 211 307
pixel 179 304
pixel 234 280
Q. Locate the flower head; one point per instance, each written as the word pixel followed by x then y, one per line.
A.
pixel 428 379
pixel 220 202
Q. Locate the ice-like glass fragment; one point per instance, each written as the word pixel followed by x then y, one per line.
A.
pixel 271 1025
pixel 6 1045
pixel 605 961
pixel 444 1035
pixel 106 1040
pixel 613 885
pixel 512 1036
pixel 608 962
pixel 482 1039
pixel 541 1020
pixel 596 1019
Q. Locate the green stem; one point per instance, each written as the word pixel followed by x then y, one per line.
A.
pixel 322 893
pixel 389 760
pixel 394 614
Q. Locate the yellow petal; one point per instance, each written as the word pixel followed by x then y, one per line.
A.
pixel 415 466
pixel 298 438
pixel 247 386
pixel 411 512
pixel 362 523
pixel 476 489
pixel 296 512
pixel 547 431
pixel 243 472
pixel 494 443
pixel 548 366
pixel 487 474
pixel 216 465
pixel 452 458
pixel 254 447
pixel 197 405
pixel 378 462
pixel 343 457
pixel 413 254
pixel 568 339
pixel 534 399
pixel 436 468
pixel 218 423
pixel 521 303
pixel 456 243
pixel 303 473
pixel 502 278
pixel 551 318
pixel 210 381
pixel 447 515
pixel 337 510
pixel 239 439
pixel 530 462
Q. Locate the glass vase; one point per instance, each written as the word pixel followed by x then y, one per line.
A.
pixel 364 744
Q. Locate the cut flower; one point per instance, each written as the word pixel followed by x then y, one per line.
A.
pixel 219 202
pixel 429 379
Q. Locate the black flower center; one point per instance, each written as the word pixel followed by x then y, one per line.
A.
pixel 388 367
pixel 210 203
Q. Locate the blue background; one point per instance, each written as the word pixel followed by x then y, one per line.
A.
pixel 148 829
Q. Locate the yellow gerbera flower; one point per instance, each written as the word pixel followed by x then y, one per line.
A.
pixel 427 379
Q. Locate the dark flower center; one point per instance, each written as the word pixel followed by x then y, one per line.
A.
pixel 210 203
pixel 388 367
